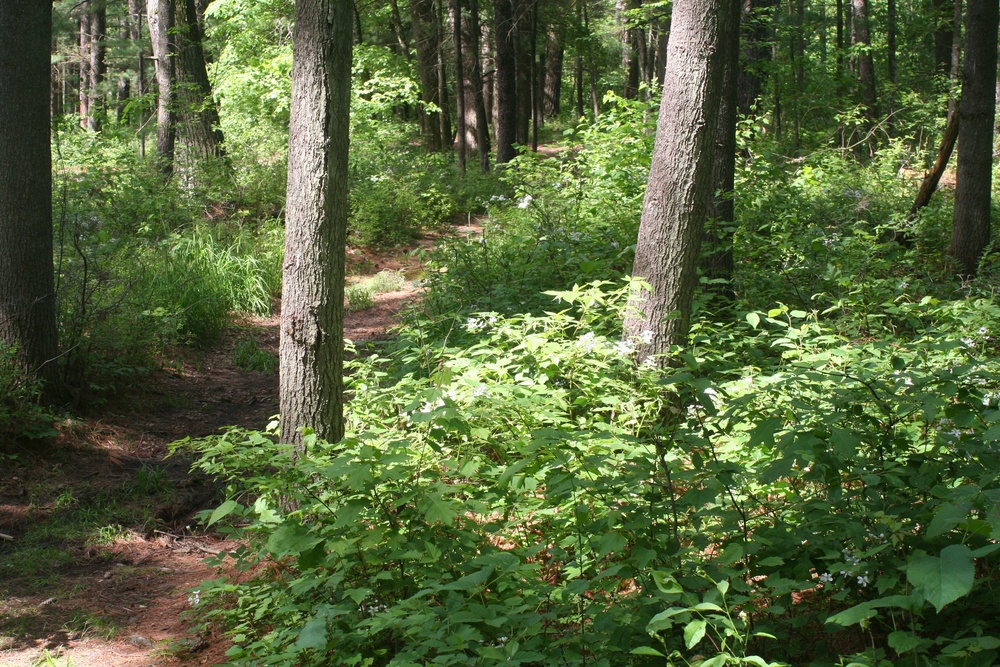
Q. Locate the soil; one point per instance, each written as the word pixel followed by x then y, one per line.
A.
pixel 123 603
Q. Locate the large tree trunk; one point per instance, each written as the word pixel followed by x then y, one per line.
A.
pixel 680 178
pixel 506 81
pixel 312 300
pixel 970 232
pixel 160 14
pixel 425 33
pixel 27 300
pixel 717 265
pixel 943 31
pixel 523 11
pixel 97 67
pixel 197 109
pixel 756 53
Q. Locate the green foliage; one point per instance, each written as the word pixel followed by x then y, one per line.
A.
pixel 248 355
pixel 524 492
pixel 573 217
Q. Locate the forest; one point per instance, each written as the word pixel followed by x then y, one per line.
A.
pixel 697 365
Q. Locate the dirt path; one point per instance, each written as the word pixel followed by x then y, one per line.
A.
pixel 122 602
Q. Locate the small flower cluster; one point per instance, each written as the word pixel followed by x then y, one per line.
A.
pixel 474 324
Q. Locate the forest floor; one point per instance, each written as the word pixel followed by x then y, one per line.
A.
pixel 73 596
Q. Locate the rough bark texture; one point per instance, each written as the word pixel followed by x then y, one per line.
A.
pixel 425 37
pixel 553 74
pixel 160 14
pixel 523 12
pixel 680 179
pixel 931 179
pixel 84 43
pixel 942 12
pixel 461 130
pixel 717 265
pixel 27 301
pixel 312 300
pixel 196 106
pixel 506 81
pixel 970 232
pixel 98 64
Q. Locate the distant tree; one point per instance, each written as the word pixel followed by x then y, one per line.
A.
pixel 680 178
pixel 196 107
pixel 970 231
pixel 27 300
pixel 312 299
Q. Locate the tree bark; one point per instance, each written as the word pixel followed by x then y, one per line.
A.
pixel 756 53
pixel 861 38
pixel 523 10
pixel 680 178
pixel 506 80
pixel 85 48
pixel 98 62
pixel 196 106
pixel 424 30
pixel 943 31
pixel 160 14
pixel 474 68
pixel 460 97
pixel 27 299
pixel 553 73
pixel 970 232
pixel 312 315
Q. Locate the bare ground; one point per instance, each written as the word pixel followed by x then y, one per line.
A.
pixel 122 602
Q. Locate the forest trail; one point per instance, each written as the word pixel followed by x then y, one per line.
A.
pixel 120 600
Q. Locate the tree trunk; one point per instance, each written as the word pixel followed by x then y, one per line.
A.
pixel 85 48
pixel 196 106
pixel 553 73
pixel 424 29
pixel 523 11
pixel 680 178
pixel 160 14
pixel 506 81
pixel 861 39
pixel 474 68
pixel 98 63
pixel 444 118
pixel 756 53
pixel 717 265
pixel 970 232
pixel 933 177
pixel 943 32
pixel 27 299
pixel 312 306
pixel 460 99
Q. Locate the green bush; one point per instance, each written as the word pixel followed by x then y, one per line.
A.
pixel 528 494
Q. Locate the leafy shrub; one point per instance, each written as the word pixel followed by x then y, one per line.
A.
pixel 527 494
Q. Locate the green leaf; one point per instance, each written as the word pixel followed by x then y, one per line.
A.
pixel 718 661
pixel 313 635
pixel 437 508
pixel 694 632
pixel 291 539
pixel 647 650
pixel 223 510
pixel 866 610
pixel 947 517
pixel 610 543
pixel 902 641
pixel 667 583
pixel 945 578
pixel 753 319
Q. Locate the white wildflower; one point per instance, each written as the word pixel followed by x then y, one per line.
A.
pixel 194 598
pixel 472 324
pixel 624 348
pixel 646 337
pixel 863 581
pixel 481 390
pixel 525 201
pixel 826 578
pixel 588 342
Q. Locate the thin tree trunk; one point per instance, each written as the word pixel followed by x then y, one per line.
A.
pixel 444 117
pixel 756 53
pixel 943 12
pixel 160 14
pixel 98 63
pixel 397 28
pixel 861 38
pixel 931 179
pixel 312 300
pixel 522 31
pixel 478 88
pixel 85 48
pixel 424 27
pixel 460 111
pixel 27 293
